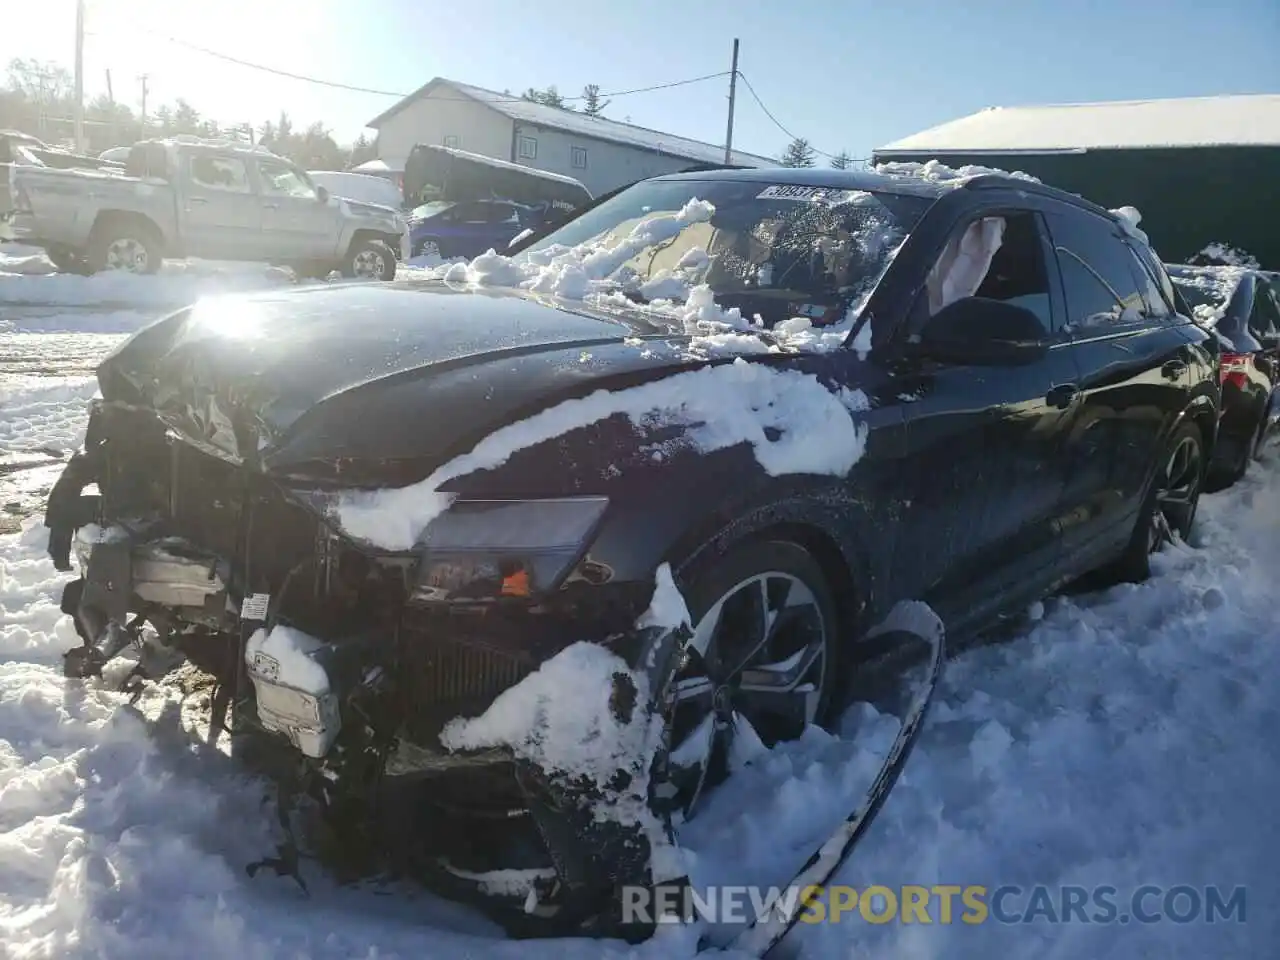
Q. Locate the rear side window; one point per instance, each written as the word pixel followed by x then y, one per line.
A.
pixel 1098 271
pixel 1264 323
pixel 1152 296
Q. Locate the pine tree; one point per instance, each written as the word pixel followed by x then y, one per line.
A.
pixel 798 154
pixel 841 160
pixel 592 105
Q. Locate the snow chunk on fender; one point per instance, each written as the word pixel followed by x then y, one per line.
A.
pixel 667 609
pixel 793 423
pixel 582 714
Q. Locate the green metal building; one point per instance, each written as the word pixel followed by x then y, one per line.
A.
pixel 1201 171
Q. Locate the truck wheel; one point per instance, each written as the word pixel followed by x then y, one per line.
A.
pixel 123 246
pixel 370 260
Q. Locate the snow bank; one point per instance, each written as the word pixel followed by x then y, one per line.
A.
pixel 793 423
pixel 176 285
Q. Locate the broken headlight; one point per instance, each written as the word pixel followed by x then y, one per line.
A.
pixel 485 549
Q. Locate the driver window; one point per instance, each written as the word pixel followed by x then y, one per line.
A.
pixel 281 180
pixel 996 258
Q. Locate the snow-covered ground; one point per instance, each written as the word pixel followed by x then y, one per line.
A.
pixel 1126 739
pixel 27 278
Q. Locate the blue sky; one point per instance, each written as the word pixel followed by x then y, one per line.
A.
pixel 848 75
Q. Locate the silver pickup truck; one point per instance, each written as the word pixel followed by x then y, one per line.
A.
pixel 214 201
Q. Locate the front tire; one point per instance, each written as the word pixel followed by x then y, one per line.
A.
pixel 370 260
pixel 761 666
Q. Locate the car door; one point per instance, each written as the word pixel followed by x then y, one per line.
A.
pixel 296 224
pixel 985 443
pixel 1135 374
pixel 221 218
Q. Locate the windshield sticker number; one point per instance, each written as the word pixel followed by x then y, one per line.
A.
pixel 803 194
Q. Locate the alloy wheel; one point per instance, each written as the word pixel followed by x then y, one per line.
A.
pixel 1177 494
pixel 753 674
pixel 128 254
pixel 428 248
pixel 369 264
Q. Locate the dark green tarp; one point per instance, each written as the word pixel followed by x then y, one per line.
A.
pixel 1189 197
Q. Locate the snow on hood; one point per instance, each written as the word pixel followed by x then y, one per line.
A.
pixel 814 432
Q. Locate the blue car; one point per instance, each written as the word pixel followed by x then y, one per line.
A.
pixel 469 228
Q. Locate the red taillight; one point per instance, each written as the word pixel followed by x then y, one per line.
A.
pixel 1233 368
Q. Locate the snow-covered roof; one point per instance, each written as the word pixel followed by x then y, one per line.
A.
pixel 374 167
pixel 573 121
pixel 1243 120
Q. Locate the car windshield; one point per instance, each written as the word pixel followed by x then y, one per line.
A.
pixel 1207 294
pixel 770 249
pixel 425 210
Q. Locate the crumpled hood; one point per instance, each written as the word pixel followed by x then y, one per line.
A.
pixel 364 370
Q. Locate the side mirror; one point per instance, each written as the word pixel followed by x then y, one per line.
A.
pixel 322 194
pixel 980 332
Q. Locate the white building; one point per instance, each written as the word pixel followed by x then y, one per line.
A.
pixel 602 154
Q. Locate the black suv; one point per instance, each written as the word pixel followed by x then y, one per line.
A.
pixel 623 531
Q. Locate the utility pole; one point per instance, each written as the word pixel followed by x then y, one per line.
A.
pixel 115 120
pixel 81 146
pixel 142 129
pixel 733 89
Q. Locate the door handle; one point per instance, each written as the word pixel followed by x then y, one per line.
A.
pixel 1174 369
pixel 194 200
pixel 271 206
pixel 1062 396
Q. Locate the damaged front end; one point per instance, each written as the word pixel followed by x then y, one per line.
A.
pixel 339 664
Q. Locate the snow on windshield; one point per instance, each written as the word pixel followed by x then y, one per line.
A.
pixel 720 261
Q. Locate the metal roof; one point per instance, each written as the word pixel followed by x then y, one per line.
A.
pixel 1238 120
pixel 573 121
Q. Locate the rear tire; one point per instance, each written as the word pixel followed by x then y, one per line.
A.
pixel 1169 507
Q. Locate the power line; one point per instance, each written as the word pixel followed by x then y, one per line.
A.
pixel 777 123
pixel 394 93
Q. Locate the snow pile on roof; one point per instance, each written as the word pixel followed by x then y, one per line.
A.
pixel 792 422
pixel 937 172
pixel 573 121
pixel 1247 120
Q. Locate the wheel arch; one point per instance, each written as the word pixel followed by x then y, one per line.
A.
pixel 366 234
pixel 110 218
